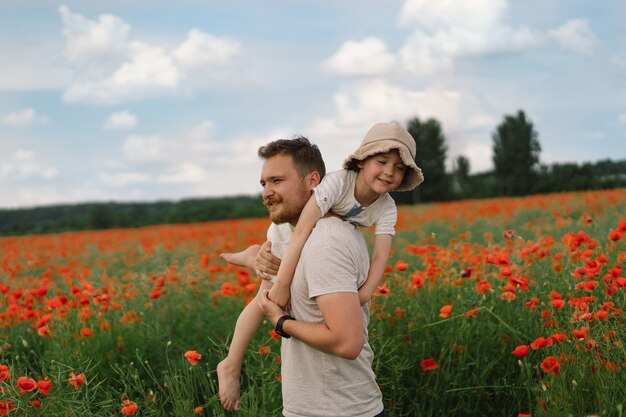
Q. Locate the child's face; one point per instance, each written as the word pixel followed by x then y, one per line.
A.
pixel 383 172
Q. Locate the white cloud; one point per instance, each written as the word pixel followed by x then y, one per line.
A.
pixel 369 101
pixel 186 172
pixel 123 178
pixel 195 161
pixel 361 104
pixel 575 35
pixel 32 65
pixel 367 57
pixel 23 165
pixel 479 152
pixel 200 49
pixel 24 155
pixel 111 66
pixel 622 118
pixel 434 15
pixel 147 148
pixel 121 120
pixel 23 117
pixel 93 40
pixel 448 30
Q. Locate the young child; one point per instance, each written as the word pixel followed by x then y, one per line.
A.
pixel 384 162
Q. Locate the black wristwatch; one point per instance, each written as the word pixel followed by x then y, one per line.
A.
pixel 279 326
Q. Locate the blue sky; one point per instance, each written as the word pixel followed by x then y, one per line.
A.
pixel 141 101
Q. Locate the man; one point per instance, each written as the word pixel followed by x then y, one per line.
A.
pixel 326 360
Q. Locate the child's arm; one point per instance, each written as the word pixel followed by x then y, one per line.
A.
pixel 310 215
pixel 380 254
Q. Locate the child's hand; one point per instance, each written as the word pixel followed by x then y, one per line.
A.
pixel 280 295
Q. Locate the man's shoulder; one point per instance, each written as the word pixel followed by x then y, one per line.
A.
pixel 279 232
pixel 334 232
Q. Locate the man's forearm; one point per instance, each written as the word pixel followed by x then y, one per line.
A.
pixel 341 334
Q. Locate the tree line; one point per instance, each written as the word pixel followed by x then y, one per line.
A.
pixel 517 171
pixel 98 216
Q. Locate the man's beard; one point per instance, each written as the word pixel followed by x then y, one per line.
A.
pixel 289 211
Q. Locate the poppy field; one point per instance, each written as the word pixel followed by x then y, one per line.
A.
pixel 498 307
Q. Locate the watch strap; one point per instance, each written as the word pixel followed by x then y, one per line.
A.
pixel 279 326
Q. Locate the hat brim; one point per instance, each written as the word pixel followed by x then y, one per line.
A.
pixel 412 178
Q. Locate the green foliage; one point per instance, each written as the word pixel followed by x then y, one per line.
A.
pixel 515 155
pixel 431 158
pixel 97 216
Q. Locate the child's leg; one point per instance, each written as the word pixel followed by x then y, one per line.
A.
pixel 229 369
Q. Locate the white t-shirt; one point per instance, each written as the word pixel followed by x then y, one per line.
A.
pixel 336 194
pixel 279 235
pixel 316 384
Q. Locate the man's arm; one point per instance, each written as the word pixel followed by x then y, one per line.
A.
pixel 340 334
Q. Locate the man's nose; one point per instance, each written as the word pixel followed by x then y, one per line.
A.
pixel 267 191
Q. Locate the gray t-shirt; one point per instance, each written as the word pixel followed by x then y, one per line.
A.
pixel 316 384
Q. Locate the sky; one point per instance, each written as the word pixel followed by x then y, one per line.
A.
pixel 158 100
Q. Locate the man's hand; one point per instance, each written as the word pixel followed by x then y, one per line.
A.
pixel 272 310
pixel 266 263
pixel 280 294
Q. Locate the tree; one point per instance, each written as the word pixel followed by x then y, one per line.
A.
pixel 461 176
pixel 431 158
pixel 515 155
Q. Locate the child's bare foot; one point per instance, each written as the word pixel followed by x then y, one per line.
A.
pixel 243 258
pixel 228 379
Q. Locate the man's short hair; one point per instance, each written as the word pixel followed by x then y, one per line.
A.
pixel 305 155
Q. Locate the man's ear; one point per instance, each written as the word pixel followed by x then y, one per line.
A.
pixel 313 179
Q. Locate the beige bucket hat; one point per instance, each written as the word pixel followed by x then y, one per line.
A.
pixel 383 137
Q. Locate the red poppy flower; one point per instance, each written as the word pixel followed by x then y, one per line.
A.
pixel 429 365
pixel 264 350
pixel 76 380
pixel 26 384
pixel 580 333
pixel 35 403
pixel 482 287
pixel 382 290
pixel 445 311
pixel 193 357
pixel 44 385
pixel 6 407
pixel 129 408
pixel 557 303
pixel 550 365
pixel 541 342
pixel 508 295
pixel 615 235
pixel 520 351
pixel 86 332
pixel 5 375
pixel 402 266
pixel 198 410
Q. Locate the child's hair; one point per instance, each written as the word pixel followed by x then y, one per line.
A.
pixel 305 155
